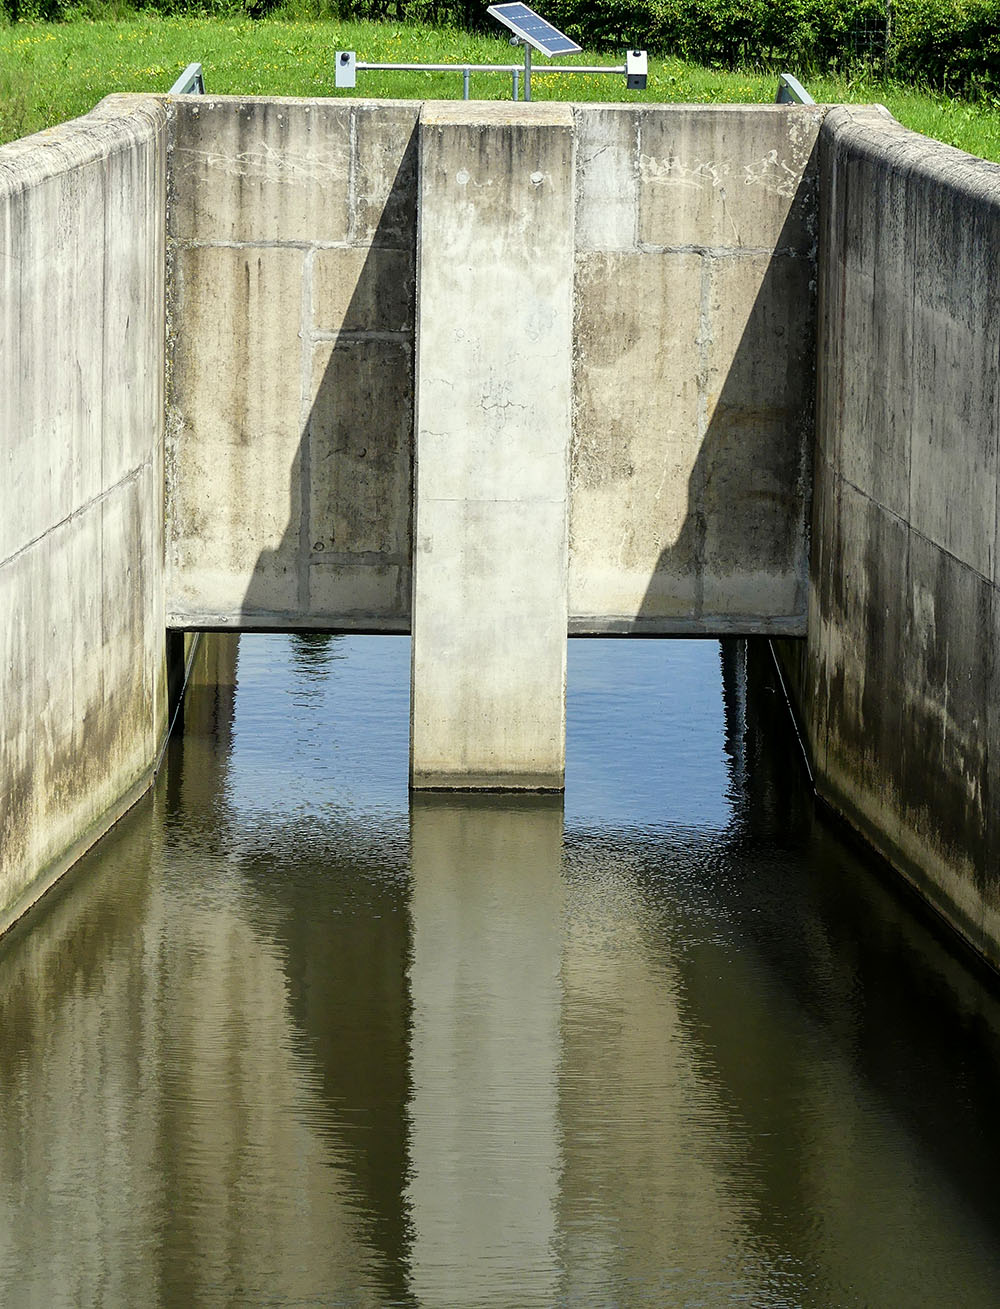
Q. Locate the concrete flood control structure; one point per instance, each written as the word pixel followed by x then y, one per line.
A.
pixel 602 377
pixel 492 374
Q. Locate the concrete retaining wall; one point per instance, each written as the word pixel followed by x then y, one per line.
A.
pixel 693 361
pixel 899 688
pixel 82 681
pixel 292 228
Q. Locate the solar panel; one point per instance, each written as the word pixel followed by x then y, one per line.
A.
pixel 533 29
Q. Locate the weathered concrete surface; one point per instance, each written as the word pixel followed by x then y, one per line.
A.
pixel 494 410
pixel 291 228
pixel 82 687
pixel 693 360
pixel 898 688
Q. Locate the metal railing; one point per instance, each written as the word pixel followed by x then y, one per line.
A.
pixel 190 82
pixel 790 89
pixel 792 92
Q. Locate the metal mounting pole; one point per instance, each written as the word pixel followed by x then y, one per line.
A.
pixel 348 66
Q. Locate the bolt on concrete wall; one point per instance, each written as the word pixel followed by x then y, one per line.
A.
pixel 291 229
pixel 82 685
pixel 899 689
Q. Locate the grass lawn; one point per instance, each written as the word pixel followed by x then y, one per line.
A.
pixel 53 71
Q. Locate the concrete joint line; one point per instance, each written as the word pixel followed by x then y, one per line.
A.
pixel 495 500
pixel 323 336
pixel 106 494
pixel 962 563
pixel 720 252
pixel 193 243
pixel 362 558
pixel 352 176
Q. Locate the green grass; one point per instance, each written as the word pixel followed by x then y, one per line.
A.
pixel 53 71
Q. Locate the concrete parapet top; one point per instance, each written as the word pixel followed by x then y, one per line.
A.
pixel 495 113
pixel 116 122
pixel 211 101
pixel 874 130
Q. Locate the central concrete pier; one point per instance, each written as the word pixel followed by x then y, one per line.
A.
pixel 493 429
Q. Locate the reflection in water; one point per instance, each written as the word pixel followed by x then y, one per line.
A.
pixel 486 901
pixel 283 1039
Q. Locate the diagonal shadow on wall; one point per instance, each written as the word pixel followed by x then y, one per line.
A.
pixel 694 382
pixel 343 561
pixel 739 562
pixel 741 554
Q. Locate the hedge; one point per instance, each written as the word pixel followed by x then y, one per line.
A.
pixel 951 45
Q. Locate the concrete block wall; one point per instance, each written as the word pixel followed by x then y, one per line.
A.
pixel 82 679
pixel 693 357
pixel 292 226
pixel 291 238
pixel 899 684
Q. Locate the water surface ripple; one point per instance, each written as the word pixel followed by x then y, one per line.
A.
pixel 286 1039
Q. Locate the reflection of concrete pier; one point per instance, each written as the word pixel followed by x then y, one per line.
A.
pixel 485 984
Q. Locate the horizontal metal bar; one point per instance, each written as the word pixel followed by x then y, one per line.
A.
pixel 190 82
pixel 791 91
pixel 486 68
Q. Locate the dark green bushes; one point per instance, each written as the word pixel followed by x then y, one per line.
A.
pixel 952 45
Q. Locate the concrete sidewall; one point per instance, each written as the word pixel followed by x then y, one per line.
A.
pixel 81 446
pixel 898 688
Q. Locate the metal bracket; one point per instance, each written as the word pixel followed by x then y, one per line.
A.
pixel 792 92
pixel 346 68
pixel 636 70
pixel 190 82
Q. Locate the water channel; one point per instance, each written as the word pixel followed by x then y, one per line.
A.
pixel 284 1039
